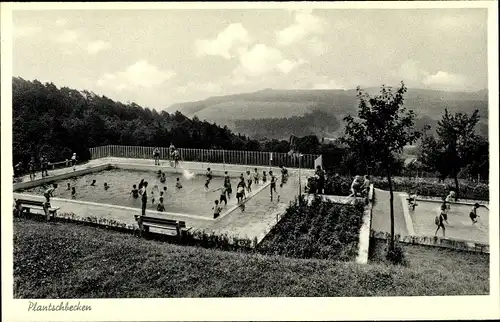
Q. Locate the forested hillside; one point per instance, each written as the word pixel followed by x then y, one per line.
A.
pixel 57 122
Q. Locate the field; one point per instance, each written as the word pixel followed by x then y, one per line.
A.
pixel 55 260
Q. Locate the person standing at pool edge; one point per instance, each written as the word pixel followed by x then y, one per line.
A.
pixel 73 161
pixel 156 156
pixel 144 197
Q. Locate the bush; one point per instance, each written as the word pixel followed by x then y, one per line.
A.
pixel 396 255
pixel 474 191
pixel 323 230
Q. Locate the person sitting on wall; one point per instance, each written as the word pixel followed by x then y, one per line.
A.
pixel 320 174
pixel 365 188
pixel 311 185
pixel 355 186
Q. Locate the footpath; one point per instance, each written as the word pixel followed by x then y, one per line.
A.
pixel 381 220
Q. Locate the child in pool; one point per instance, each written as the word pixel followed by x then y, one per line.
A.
pixel 73 192
pixel 255 176
pixel 160 206
pixel 249 182
pixel 93 183
pixel 106 186
pixel 178 185
pixel 473 214
pixel 217 209
pixel 135 192
pixel 68 187
pixel 264 177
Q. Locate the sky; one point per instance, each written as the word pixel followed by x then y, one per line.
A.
pixel 159 57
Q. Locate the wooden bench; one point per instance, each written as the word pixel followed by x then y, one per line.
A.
pixel 24 205
pixel 66 163
pixel 146 222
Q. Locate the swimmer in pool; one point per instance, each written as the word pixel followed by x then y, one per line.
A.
pixel 135 192
pixel 106 186
pixel 160 206
pixel 178 185
pixel 473 214
pixel 68 187
pixel 73 192
pixel 93 183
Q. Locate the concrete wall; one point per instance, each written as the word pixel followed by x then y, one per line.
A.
pixel 456 244
pixel 198 166
pixel 69 174
pixel 364 231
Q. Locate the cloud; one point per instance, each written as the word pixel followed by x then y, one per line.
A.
pixel 227 43
pixel 260 60
pixel 96 46
pixel 286 65
pixel 23 31
pixel 316 46
pixel 138 75
pixel 68 36
pixel 445 80
pixel 61 22
pixel 305 24
pixel 328 84
pixel 413 75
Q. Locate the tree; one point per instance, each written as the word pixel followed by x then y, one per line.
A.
pixel 380 132
pixel 455 147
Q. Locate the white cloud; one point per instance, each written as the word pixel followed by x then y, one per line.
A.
pixel 317 46
pixel 444 80
pixel 260 60
pixel 305 24
pixel 23 31
pixel 68 36
pixel 328 84
pixel 413 75
pixel 286 65
pixel 61 22
pixel 96 46
pixel 228 42
pixel 139 75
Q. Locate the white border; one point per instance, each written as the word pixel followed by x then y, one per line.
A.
pixel 390 308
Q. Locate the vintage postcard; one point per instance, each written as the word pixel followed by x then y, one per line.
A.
pixel 250 161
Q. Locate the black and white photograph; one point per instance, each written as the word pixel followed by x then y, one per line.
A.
pixel 321 153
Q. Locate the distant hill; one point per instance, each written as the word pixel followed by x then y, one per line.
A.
pixel 301 105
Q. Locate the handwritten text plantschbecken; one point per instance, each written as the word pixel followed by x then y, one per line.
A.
pixel 34 306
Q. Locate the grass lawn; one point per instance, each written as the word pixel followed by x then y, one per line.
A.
pixel 60 260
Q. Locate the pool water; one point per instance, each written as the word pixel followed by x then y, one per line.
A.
pixel 190 199
pixel 460 225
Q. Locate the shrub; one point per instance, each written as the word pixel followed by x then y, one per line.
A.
pixel 397 255
pixel 474 191
pixel 323 230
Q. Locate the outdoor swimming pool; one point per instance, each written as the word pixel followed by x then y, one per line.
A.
pixel 460 225
pixel 190 199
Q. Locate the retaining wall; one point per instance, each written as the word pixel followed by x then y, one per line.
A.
pixel 456 244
